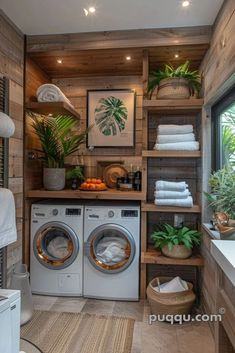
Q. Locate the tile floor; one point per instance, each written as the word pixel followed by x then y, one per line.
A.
pixel 156 338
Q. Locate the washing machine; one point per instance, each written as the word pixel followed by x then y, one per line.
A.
pixel 111 252
pixel 56 264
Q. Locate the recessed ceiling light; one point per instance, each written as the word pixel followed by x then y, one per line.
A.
pixel 59 61
pixel 185 3
pixel 91 9
pixel 128 58
pixel 176 55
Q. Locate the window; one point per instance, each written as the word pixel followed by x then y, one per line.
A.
pixel 223 131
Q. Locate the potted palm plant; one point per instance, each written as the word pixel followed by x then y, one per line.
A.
pixel 57 142
pixel 179 83
pixel 176 242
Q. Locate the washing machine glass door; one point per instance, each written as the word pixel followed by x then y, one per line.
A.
pixel 110 248
pixel 56 245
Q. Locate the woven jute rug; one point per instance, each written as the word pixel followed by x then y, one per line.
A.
pixel 55 332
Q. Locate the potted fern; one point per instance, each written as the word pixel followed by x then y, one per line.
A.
pixel 176 242
pixel 75 176
pixel 179 83
pixel 57 142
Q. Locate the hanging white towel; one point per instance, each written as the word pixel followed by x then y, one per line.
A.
pixel 166 194
pixel 8 232
pixel 175 138
pixel 51 93
pixel 178 146
pixel 171 185
pixel 188 202
pixel 174 129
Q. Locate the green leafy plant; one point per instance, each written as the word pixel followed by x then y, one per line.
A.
pixel 171 236
pixel 57 138
pixel 222 195
pixel 228 135
pixel 111 115
pixel 75 173
pixel 182 71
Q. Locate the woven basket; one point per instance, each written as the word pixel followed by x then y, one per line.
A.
pixel 173 88
pixel 179 303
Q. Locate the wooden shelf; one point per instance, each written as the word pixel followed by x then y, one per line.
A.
pixel 173 105
pixel 151 207
pixel 109 194
pixel 52 108
pixel 169 154
pixel 152 256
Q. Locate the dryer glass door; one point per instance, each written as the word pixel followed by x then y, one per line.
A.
pixel 110 248
pixel 56 245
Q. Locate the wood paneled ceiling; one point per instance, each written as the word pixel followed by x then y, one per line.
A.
pixel 113 61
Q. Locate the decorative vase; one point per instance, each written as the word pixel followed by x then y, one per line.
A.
pixel 173 88
pixel 178 252
pixel 54 179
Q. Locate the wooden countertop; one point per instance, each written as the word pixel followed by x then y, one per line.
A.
pixel 110 194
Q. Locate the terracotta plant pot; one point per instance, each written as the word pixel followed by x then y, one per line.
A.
pixel 173 88
pixel 54 179
pixel 178 252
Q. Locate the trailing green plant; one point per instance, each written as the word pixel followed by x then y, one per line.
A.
pixel 57 137
pixel 75 173
pixel 222 195
pixel 170 236
pixel 182 71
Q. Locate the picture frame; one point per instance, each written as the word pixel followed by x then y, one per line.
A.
pixel 111 113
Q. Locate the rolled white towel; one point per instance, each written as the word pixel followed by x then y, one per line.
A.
pixel 171 185
pixel 7 126
pixel 51 93
pixel 166 194
pixel 8 233
pixel 178 146
pixel 175 138
pixel 174 129
pixel 188 202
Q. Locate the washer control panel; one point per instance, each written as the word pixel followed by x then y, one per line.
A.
pixel 110 214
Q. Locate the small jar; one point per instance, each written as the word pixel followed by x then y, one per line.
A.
pixel 126 185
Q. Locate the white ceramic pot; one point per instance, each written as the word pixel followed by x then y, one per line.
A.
pixel 54 179
pixel 173 88
pixel 178 252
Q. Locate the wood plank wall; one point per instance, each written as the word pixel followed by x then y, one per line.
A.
pixel 217 68
pixel 12 67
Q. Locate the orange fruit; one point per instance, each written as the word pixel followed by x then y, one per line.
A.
pixel 102 186
pixel 88 180
pixel 93 186
pixel 83 185
pixel 93 180
pixel 98 181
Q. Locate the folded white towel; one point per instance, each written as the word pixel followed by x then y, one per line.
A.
pixel 178 146
pixel 51 93
pixel 174 129
pixel 166 194
pixel 8 232
pixel 188 202
pixel 171 185
pixel 175 138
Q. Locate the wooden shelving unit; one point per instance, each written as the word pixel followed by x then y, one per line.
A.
pixel 171 154
pixel 151 207
pixel 110 194
pixel 52 108
pixel 189 109
pixel 152 256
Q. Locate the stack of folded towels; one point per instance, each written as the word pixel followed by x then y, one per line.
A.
pixel 176 138
pixel 168 193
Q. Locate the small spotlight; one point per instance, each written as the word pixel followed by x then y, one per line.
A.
pixel 176 55
pixel 59 61
pixel 91 9
pixel 86 12
pixel 185 3
pixel 128 58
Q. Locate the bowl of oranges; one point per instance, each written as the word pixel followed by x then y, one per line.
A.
pixel 93 184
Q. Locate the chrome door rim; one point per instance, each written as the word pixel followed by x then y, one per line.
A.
pixel 110 269
pixel 59 263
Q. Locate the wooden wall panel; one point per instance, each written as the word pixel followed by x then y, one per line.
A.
pixel 12 66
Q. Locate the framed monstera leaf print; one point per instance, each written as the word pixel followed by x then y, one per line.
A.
pixel 112 115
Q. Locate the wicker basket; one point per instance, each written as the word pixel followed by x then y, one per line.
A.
pixel 173 88
pixel 179 303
